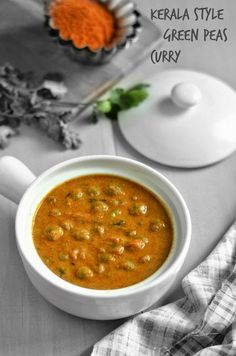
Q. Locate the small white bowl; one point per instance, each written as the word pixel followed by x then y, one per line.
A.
pixel 17 180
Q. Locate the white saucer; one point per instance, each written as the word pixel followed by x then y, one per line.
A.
pixel 189 120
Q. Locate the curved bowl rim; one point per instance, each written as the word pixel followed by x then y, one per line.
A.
pixel 113 293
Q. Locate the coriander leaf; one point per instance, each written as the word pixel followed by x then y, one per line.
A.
pixel 104 106
pixel 51 125
pixel 57 89
pixel 120 99
pixel 70 139
pixel 45 93
pixel 139 86
pixel 13 121
pixel 20 105
pixel 113 113
pixel 23 101
pixel 115 95
pixel 133 98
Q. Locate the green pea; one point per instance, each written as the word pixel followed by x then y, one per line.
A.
pixel 51 199
pixel 76 194
pixel 62 271
pixel 84 272
pixel 81 234
pixel 63 256
pixel 118 250
pixel 67 225
pixel 106 257
pixel 128 266
pixel 138 209
pixel 157 225
pixel 145 259
pixel 53 232
pixel 113 189
pixel 99 230
pixel 100 207
pixel 115 213
pixel 94 191
pixel 116 202
pixel 55 212
pixel 131 233
pixel 47 260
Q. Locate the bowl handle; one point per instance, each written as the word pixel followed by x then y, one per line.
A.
pixel 15 178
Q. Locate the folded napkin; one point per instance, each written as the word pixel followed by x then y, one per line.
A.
pixel 201 323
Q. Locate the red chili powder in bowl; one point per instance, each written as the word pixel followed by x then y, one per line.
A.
pixel 87 23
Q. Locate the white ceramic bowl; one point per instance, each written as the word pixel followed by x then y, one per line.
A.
pixel 18 180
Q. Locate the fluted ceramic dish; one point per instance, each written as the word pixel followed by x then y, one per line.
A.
pixel 128 28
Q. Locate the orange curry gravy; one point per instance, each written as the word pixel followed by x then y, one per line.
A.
pixel 102 232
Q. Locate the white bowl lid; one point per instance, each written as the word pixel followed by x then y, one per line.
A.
pixel 189 120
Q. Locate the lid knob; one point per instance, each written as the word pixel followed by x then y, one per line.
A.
pixel 185 95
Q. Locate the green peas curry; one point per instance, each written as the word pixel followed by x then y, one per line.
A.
pixel 102 232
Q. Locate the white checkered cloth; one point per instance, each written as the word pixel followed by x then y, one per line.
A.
pixel 203 323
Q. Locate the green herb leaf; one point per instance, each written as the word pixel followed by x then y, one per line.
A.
pixel 133 98
pixel 120 99
pixel 118 223
pixel 113 114
pixel 140 86
pixel 116 95
pixel 104 106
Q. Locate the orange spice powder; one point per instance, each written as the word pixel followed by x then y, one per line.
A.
pixel 84 22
